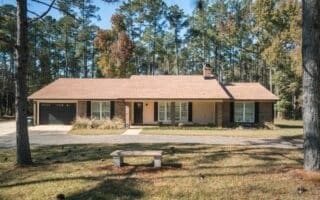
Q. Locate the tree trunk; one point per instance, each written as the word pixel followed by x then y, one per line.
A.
pixel 85 60
pixel 311 84
pixel 23 149
pixel 66 41
pixel 93 69
pixel 176 50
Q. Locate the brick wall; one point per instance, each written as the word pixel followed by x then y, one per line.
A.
pixel 120 109
pixel 219 114
pixel 82 109
pixel 226 114
pixel 265 112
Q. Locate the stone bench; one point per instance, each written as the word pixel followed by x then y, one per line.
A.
pixel 118 156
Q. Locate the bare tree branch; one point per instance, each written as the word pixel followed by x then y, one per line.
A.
pixel 56 8
pixel 34 13
pixel 45 12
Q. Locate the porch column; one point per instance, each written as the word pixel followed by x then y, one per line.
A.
pixel 127 114
pixel 173 113
pixel 219 116
pixel 35 113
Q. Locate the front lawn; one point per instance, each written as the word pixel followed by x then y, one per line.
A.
pixel 284 128
pixel 189 172
pixel 96 131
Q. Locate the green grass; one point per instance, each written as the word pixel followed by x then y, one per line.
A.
pixel 86 172
pixel 96 131
pixel 284 128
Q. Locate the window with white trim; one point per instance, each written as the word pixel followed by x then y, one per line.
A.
pixel 244 112
pixel 181 111
pixel 164 111
pixel 100 109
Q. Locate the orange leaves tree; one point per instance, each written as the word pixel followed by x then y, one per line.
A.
pixel 115 49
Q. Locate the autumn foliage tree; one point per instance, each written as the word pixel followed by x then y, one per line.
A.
pixel 115 49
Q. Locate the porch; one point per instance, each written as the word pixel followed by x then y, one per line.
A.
pixel 158 112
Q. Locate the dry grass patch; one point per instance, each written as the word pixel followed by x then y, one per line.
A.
pixel 285 129
pixel 190 171
pixel 250 133
pixel 96 131
pixel 85 126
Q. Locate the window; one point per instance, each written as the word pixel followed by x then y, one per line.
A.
pixel 164 111
pixel 100 109
pixel 244 112
pixel 181 111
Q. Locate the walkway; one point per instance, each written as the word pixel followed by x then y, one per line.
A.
pixel 132 131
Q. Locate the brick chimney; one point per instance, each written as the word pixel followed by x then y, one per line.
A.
pixel 207 72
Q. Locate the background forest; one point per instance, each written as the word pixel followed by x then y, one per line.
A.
pixel 243 41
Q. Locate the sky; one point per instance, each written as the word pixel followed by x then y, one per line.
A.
pixel 105 12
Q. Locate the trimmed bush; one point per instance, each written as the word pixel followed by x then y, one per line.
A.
pixel 115 123
pixel 85 123
pixel 81 123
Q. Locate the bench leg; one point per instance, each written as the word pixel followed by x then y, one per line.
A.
pixel 118 161
pixel 157 161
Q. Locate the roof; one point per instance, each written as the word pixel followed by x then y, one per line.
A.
pixel 136 87
pixel 150 87
pixel 250 91
pixel 175 87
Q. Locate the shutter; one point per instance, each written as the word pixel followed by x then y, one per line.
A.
pixel 111 109
pixel 89 109
pixel 256 112
pixel 190 111
pixel 155 111
pixel 272 110
pixel 231 112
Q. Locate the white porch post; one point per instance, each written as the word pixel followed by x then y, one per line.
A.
pixel 35 120
pixel 127 115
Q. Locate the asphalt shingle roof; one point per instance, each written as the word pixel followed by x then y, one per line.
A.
pixel 150 87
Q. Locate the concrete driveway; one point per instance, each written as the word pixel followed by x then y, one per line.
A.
pixel 57 135
pixel 7 127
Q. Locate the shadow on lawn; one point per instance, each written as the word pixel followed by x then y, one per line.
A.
pixel 288 126
pixel 112 189
pixel 87 152
pixel 269 155
pixel 123 183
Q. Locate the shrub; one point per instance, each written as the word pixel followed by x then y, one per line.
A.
pixel 115 123
pixel 81 123
pixel 85 123
pixel 95 123
pixel 181 124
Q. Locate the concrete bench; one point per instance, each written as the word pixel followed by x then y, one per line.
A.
pixel 118 156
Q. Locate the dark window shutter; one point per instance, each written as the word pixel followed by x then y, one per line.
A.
pixel 272 110
pixel 256 112
pixel 88 109
pixel 190 111
pixel 231 112
pixel 155 111
pixel 111 109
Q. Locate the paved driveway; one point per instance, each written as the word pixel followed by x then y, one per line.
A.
pixel 57 135
pixel 7 127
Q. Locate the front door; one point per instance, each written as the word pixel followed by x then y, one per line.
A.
pixel 138 112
